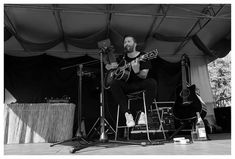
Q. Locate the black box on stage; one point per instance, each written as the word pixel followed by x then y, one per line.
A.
pixel 166 116
pixel 223 118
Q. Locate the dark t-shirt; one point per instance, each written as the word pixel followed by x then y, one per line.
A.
pixel 143 65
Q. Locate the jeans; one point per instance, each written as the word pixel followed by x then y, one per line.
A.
pixel 120 88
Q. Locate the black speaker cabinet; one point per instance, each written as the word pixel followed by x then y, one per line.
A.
pixel 223 118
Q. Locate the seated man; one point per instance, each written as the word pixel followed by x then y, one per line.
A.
pixel 137 81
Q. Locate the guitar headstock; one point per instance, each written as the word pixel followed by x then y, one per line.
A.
pixel 184 59
pixel 150 55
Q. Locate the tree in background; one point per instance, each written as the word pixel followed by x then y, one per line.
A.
pixel 220 80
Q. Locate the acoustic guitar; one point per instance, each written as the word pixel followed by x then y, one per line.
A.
pixel 122 72
pixel 187 102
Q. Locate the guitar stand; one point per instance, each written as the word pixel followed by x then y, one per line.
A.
pixel 183 125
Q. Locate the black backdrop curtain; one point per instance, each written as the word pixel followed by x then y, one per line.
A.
pixel 168 77
pixel 31 79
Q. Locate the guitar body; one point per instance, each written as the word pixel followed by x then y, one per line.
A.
pixel 187 102
pixel 187 110
pixel 115 74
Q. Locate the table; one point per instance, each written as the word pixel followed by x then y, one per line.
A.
pixel 38 122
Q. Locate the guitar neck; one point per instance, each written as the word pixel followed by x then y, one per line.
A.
pixel 147 56
pixel 184 81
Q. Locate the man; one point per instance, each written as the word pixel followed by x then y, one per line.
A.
pixel 137 81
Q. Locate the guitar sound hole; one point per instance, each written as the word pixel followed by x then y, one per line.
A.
pixel 185 93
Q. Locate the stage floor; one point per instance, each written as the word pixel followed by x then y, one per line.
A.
pixel 220 144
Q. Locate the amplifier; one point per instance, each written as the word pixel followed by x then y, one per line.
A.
pixel 166 117
pixel 58 100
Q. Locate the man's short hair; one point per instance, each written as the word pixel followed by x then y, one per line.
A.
pixel 133 37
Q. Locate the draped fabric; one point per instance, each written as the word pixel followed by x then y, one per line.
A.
pixel 168 77
pixel 117 40
pixel 220 49
pixel 7 33
pixel 162 37
pixel 200 77
pixel 197 41
pixel 89 42
pixel 30 46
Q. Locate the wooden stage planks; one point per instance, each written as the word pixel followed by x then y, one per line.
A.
pixel 219 145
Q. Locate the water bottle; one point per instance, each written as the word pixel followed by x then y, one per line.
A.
pixel 194 135
pixel 200 129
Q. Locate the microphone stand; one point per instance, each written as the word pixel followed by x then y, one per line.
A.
pixel 80 73
pixel 103 121
pixel 103 136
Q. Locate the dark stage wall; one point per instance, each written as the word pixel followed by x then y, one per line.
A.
pixel 31 79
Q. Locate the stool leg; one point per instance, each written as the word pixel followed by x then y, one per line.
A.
pixel 116 133
pixel 126 133
pixel 128 106
pixel 160 120
pixel 145 112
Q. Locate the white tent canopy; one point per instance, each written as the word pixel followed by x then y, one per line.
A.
pixel 40 24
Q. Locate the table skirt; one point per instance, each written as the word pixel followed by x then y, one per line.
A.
pixel 38 122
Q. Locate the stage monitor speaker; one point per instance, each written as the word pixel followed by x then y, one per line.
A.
pixel 223 118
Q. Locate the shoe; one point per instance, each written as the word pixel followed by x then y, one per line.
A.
pixel 129 120
pixel 142 119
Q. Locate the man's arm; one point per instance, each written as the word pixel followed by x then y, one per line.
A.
pixel 113 65
pixel 136 68
pixel 143 73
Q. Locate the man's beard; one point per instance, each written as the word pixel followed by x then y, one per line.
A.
pixel 128 49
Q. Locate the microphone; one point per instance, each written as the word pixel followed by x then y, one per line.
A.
pixel 104 46
pixel 106 49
